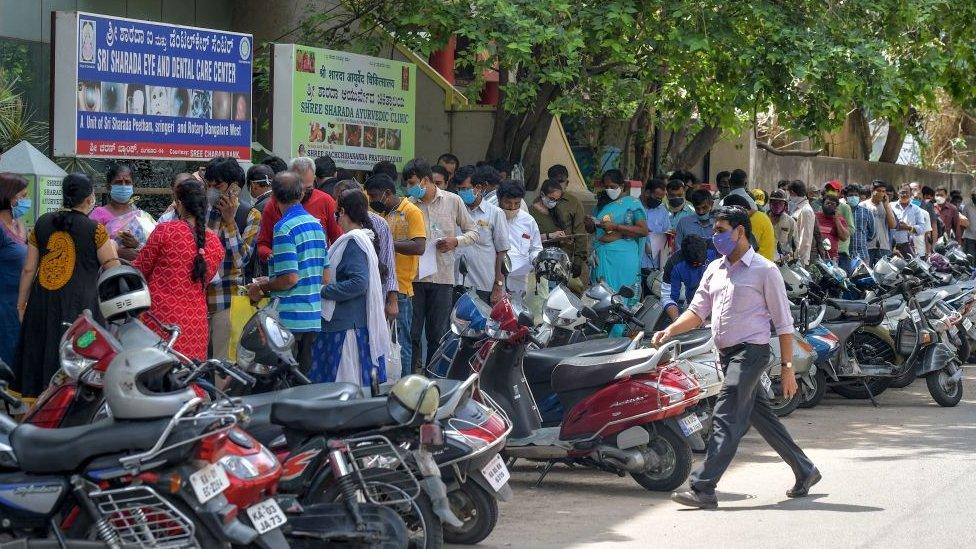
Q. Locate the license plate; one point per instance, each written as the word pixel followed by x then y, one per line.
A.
pixel 690 424
pixel 496 472
pixel 767 383
pixel 968 324
pixel 209 482
pixel 266 516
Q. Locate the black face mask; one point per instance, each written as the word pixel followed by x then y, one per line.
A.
pixel 379 206
pixel 829 210
pixel 653 202
pixel 676 202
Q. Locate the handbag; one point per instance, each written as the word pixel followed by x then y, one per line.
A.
pixel 393 366
pixel 241 310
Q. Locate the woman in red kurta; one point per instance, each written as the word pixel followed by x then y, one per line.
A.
pixel 179 260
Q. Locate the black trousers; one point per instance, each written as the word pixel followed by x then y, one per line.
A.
pixel 303 350
pixel 739 405
pixel 431 315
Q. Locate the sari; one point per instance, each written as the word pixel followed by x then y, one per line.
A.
pixel 618 263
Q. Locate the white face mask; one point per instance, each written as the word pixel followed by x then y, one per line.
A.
pixel 613 194
pixel 940 200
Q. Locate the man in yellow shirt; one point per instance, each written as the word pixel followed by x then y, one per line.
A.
pixel 409 232
pixel 762 226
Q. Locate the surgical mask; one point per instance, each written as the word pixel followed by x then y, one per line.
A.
pixel 613 194
pixel 121 193
pixel 705 218
pixel 676 202
pixel 917 201
pixel 853 201
pixel 724 242
pixel 653 202
pixel 379 206
pixel 213 195
pixel 940 200
pixel 21 208
pixel 416 191
pixel 467 196
pixel 510 214
pixel 550 204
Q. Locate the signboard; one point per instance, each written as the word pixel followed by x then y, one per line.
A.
pixel 43 178
pixel 357 109
pixel 125 88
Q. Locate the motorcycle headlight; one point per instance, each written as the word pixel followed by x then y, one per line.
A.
pixel 72 363
pixel 240 467
pixel 552 316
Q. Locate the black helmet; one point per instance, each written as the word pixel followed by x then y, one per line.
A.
pixel 265 342
pixel 553 264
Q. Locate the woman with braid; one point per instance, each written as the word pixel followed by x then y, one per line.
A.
pixel 179 260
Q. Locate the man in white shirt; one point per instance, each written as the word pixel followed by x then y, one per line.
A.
pixel 483 260
pixel 524 240
pixel 805 219
pixel 909 222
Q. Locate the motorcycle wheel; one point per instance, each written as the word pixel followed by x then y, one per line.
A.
pixel 945 393
pixel 905 378
pixel 477 508
pixel 675 455
pixel 812 397
pixel 865 347
pixel 782 407
pixel 423 527
pixel 84 529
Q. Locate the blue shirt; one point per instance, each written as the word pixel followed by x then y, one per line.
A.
pixel 348 290
pixel 299 247
pixel 690 224
pixel 689 276
pixel 863 232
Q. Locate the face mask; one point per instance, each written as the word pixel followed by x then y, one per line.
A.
pixel 653 202
pixel 853 201
pixel 829 210
pixel 213 195
pixel 704 218
pixel 917 201
pixel 549 204
pixel 510 214
pixel 467 196
pixel 21 208
pixel 676 202
pixel 416 191
pixel 379 206
pixel 724 242
pixel 777 208
pixel 940 200
pixel 121 193
pixel 613 194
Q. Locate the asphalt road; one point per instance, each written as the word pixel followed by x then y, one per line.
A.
pixel 901 475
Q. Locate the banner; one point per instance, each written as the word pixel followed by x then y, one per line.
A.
pixel 357 109
pixel 137 89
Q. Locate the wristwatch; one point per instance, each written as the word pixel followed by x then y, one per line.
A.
pixel 786 365
pixel 499 283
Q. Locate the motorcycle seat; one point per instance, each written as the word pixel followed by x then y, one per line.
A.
pixel 926 297
pixel 587 372
pixel 694 338
pixel 872 313
pixel 260 425
pixel 331 416
pixel 538 364
pixel 41 450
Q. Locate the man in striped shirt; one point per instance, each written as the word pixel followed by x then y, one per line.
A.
pixel 299 256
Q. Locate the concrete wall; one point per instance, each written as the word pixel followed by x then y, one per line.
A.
pixel 767 169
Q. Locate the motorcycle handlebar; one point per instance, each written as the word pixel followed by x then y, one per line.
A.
pixel 232 371
pixel 9 398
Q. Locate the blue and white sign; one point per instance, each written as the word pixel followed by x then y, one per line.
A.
pixel 142 89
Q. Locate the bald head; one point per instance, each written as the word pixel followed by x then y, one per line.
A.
pixel 287 189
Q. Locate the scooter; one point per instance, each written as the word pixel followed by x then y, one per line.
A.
pixel 625 413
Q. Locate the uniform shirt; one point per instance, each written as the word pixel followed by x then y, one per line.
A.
pixel 406 223
pixel 524 245
pixel 479 258
pixel 444 215
pixel 299 247
pixel 741 299
pixel 912 215
pixel 785 230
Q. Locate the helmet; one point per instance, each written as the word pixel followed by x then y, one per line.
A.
pixel 138 385
pixel 413 399
pixel 759 196
pixel 796 286
pixel 122 292
pixel 940 263
pixel 599 297
pixel 265 342
pixel 553 264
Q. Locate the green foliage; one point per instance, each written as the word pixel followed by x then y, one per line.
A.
pixel 17 119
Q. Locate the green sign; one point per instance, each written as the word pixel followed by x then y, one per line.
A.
pixel 357 109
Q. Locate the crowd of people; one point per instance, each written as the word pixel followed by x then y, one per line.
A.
pixel 366 270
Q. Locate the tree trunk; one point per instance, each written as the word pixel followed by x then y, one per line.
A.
pixel 532 159
pixel 703 141
pixel 496 146
pixel 893 143
pixel 861 134
pixel 643 146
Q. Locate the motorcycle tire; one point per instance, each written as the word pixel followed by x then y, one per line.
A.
pixel 477 508
pixel 84 529
pixel 865 346
pixel 783 408
pixel 423 526
pixel 905 378
pixel 677 458
pixel 937 388
pixel 877 385
pixel 814 396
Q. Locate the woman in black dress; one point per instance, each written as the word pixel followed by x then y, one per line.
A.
pixel 65 251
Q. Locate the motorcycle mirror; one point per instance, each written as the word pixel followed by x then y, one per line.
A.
pixel 525 319
pixel 507 265
pixel 462 267
pixel 626 292
pixel 589 313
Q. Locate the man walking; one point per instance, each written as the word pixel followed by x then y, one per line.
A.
pixel 741 293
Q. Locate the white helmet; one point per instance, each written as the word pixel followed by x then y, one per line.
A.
pixel 796 286
pixel 138 385
pixel 122 292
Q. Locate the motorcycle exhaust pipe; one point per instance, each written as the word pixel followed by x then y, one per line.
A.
pixel 631 460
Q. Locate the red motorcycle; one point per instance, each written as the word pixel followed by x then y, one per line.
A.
pixel 625 413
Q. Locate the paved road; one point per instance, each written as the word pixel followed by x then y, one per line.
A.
pixel 902 475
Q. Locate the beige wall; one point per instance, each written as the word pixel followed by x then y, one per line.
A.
pixel 730 153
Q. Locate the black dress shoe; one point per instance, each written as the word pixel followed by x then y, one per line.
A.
pixel 802 486
pixel 691 498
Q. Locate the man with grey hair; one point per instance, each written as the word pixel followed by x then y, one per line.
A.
pixel 385 240
pixel 317 203
pixel 297 263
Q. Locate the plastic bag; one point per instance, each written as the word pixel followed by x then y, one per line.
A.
pixel 393 365
pixel 137 222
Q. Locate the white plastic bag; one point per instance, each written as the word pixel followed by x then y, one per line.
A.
pixel 393 366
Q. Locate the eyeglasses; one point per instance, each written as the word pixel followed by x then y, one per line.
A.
pixel 904 193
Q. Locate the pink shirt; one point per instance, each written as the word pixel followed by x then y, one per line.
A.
pixel 742 299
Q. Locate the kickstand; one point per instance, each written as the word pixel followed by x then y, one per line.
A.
pixel 62 544
pixel 545 471
pixel 870 395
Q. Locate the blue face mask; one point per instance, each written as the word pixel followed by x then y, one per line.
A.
pixel 121 193
pixel 723 242
pixel 853 201
pixel 467 196
pixel 917 201
pixel 416 191
pixel 21 208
